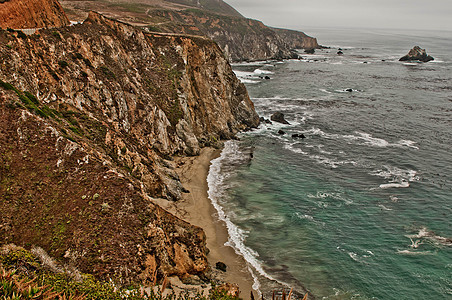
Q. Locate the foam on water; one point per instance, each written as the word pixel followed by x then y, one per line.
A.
pixel 399 178
pixel 424 233
pixel 403 184
pixel 261 71
pixel 216 190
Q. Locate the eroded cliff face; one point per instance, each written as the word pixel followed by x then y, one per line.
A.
pixel 240 38
pixel 90 116
pixel 20 14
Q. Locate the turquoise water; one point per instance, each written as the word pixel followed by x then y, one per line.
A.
pixel 361 208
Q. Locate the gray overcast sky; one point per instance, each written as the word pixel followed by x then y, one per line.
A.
pixel 397 14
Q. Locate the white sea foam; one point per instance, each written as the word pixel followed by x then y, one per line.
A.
pixel 403 184
pixel 424 233
pixel 261 71
pixel 409 252
pixel 216 183
pixel 243 74
pixel 384 207
pixel 399 178
pixel 321 159
pixel 249 81
pixel 408 143
pixel 363 138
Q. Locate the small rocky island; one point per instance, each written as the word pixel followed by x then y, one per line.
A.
pixel 417 54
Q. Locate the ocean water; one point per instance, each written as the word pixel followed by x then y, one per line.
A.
pixel 362 207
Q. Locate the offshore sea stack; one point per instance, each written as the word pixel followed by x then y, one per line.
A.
pixel 90 116
pixel 417 54
pixel 22 14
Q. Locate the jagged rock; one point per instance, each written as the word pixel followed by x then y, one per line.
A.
pixel 281 132
pixel 298 136
pixel 340 52
pixel 221 266
pixel 417 54
pixel 20 14
pixel 279 117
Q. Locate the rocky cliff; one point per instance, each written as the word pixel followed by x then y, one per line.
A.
pixel 20 14
pixel 240 38
pixel 90 116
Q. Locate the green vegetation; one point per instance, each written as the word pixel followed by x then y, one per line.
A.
pixel 57 35
pixel 26 275
pixel 21 34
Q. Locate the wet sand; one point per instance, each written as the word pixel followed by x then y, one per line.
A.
pixel 197 209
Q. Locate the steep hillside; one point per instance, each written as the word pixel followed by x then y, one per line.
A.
pixel 19 14
pixel 215 6
pixel 90 116
pixel 240 38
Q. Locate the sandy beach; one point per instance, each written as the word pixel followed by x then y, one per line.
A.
pixel 197 209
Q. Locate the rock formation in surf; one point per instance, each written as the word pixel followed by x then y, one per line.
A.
pixel 417 54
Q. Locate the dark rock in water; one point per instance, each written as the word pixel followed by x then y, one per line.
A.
pixel 261 119
pixel 221 266
pixel 267 77
pixel 281 132
pixel 417 54
pixel 279 117
pixel 298 136
pixel 365 62
pixel 309 51
pixel 383 60
pixel 268 121
pixel 349 90
pixel 339 49
pixel 340 52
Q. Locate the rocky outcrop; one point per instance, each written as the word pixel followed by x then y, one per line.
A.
pixel 90 116
pixel 279 117
pixel 21 14
pixel 417 54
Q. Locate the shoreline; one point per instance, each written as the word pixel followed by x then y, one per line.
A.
pixel 197 209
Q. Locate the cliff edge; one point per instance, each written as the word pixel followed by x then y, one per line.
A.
pixel 90 116
pixel 22 14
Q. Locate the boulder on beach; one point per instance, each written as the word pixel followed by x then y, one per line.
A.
pixel 417 54
pixel 221 266
pixel 279 117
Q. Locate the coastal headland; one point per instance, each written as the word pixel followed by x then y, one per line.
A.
pixel 107 131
